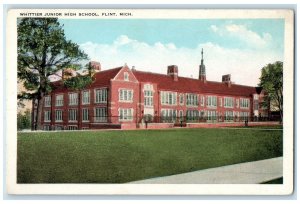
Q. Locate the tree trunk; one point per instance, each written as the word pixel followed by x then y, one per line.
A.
pixel 39 110
pixel 32 116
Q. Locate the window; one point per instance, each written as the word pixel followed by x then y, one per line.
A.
pixel 181 99
pixel 256 105
pixel 86 97
pixel 58 115
pixel 244 116
pixel 72 127
pixel 100 95
pixel 100 115
pixel 46 127
pixel 168 98
pixel 192 100
pixel 85 114
pixel 59 100
pixel 211 115
pixel 47 101
pixel 228 116
pixel 202 100
pixel 85 128
pixel 125 114
pixel 228 102
pixel 192 115
pixel 73 99
pixel 59 127
pixel 211 101
pixel 148 98
pixel 126 76
pixel 47 116
pixel 73 115
pixel 181 114
pixel 125 95
pixel 244 103
pixel 168 115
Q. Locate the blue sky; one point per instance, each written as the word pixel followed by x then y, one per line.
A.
pixel 151 45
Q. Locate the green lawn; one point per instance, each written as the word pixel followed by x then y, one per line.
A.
pixel 123 156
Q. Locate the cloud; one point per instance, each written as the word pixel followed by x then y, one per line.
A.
pixel 243 65
pixel 245 35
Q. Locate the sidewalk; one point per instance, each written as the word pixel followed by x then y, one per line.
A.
pixel 244 173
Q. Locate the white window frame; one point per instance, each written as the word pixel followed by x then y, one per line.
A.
pixel 212 115
pixel 228 102
pixel 47 101
pixel 47 116
pixel 192 115
pixel 126 95
pixel 86 99
pixel 229 116
pixel 103 94
pixel 74 116
pixel 168 98
pixel 73 99
pixel 148 98
pixel 60 119
pixel 126 117
pixel 60 127
pixel 46 127
pixel 212 101
pixel 221 101
pixel 103 114
pixel 84 112
pixel 59 102
pixel 192 99
pixel 244 102
pixel 72 127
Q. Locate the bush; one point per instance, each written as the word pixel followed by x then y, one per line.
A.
pixel 24 120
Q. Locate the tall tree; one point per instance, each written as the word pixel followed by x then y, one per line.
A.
pixel 43 50
pixel 271 81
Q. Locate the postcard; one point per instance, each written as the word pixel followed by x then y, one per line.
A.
pixel 150 101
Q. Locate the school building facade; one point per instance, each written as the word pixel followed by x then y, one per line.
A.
pixel 126 98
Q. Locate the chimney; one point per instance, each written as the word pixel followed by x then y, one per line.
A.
pixel 173 72
pixel 227 79
pixel 95 65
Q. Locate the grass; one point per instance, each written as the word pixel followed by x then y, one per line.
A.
pixel 123 156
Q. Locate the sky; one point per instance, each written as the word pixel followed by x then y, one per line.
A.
pixel 240 47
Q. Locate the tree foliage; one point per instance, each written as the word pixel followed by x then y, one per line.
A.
pixel 24 120
pixel 43 50
pixel 271 81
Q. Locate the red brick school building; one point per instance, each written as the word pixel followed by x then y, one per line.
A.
pixel 126 98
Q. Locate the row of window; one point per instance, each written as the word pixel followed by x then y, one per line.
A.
pixel 228 115
pixel 169 98
pixel 59 127
pixel 100 115
pixel 100 97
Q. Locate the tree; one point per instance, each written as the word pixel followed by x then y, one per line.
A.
pixel 271 81
pixel 43 50
pixel 24 120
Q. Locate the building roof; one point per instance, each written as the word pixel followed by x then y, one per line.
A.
pixel 102 78
pixel 187 85
pixel 165 82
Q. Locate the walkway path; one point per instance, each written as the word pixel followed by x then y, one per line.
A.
pixel 244 173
